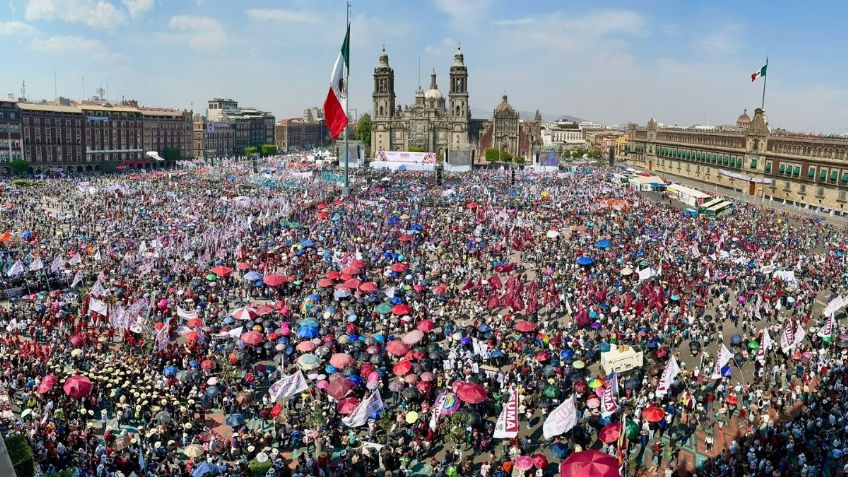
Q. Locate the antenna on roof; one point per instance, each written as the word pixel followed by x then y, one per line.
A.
pixel 419 71
pixel 23 89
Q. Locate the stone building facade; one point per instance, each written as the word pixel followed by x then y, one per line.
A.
pixel 432 124
pixel 508 133
pixel 804 169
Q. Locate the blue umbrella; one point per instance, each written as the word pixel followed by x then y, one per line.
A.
pixel 727 370
pixel 212 391
pixel 252 276
pixel 496 353
pixel 169 371
pixel 307 332
pixel 380 338
pixel 735 339
pixel 282 340
pixel 604 244
pixel 330 369
pixel 585 261
pixel 307 243
pixel 308 322
pixel 566 354
pixel 483 328
pixel 314 297
pixel 234 420
pixel 194 364
pixel 560 450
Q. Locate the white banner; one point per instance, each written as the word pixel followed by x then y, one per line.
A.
pixel 97 306
pixel 724 356
pixel 506 427
pixel 407 157
pixel 288 386
pixel 647 273
pixel 561 420
pixel 765 345
pixel 671 371
pixel 608 404
pixel 787 337
pixel 366 408
pixel 185 314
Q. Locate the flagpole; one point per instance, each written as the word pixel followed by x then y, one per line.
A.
pixel 765 80
pixel 346 189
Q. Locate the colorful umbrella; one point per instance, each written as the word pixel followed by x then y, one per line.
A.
pixel 653 413
pixel 590 463
pixel 341 360
pixel 46 384
pixel 470 393
pixel 425 325
pixel 525 326
pixel 397 348
pixel 252 338
pixel 245 313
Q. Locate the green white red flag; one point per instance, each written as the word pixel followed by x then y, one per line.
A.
pixel 760 72
pixel 335 106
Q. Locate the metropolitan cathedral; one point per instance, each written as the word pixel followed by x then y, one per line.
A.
pixel 432 124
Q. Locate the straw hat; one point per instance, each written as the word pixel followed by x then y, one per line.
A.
pixel 187 425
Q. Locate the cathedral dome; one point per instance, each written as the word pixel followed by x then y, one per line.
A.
pixel 504 106
pixel 384 59
pixel 433 94
pixel 744 119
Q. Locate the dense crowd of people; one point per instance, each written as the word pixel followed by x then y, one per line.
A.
pixel 214 321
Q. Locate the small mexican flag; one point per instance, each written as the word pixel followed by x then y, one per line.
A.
pixel 758 73
pixel 335 106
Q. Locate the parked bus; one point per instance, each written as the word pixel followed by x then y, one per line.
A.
pixel 720 210
pixel 706 205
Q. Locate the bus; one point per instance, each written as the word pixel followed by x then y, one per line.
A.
pixel 720 210
pixel 706 205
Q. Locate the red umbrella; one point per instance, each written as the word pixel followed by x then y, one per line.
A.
pixel 402 367
pixel 194 322
pixel 325 282
pixel 222 271
pixel 732 399
pixel 353 283
pixel 405 238
pixel 207 364
pixel 47 384
pixel 77 339
pixel 470 393
pixel 399 267
pixel 368 287
pixel 541 356
pixel 192 336
pixel 77 386
pixel 653 413
pixel 397 348
pixel 347 405
pixel 333 275
pixel 338 388
pixel 524 326
pixel 276 410
pixel 401 309
pixel 252 338
pixel 263 310
pixel 590 463
pixel 244 313
pixel 425 325
pixel 341 360
pixel 242 265
pixel 351 270
pixel 540 461
pixel 471 205
pixel 610 433
pixel 273 280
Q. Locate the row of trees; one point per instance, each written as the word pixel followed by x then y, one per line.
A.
pixel 263 150
pixel 495 155
pixel 579 152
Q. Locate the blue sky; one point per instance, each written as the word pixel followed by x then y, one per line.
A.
pixel 612 62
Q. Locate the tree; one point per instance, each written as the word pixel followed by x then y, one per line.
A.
pixel 363 129
pixel 268 149
pixel 20 167
pixel 108 167
pixel 249 150
pixel 20 453
pixel 595 153
pixel 506 156
pixel 416 149
pixel 491 154
pixel 171 154
pixel 520 160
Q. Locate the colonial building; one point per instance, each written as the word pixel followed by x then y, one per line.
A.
pixel 165 128
pixel 506 132
pixel 251 127
pixel 432 123
pixel 804 169
pixel 301 133
pixel 11 143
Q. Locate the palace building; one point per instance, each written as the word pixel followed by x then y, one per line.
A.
pixel 432 123
pixel 804 169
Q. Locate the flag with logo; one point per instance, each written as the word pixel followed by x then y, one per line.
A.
pixel 97 306
pixel 367 408
pixel 787 337
pixel 671 371
pixel 561 419
pixel 827 329
pixel 608 404
pixel 76 259
pixel 17 269
pixel 766 344
pixel 723 357
pixel 77 279
pixel 97 289
pixel 36 265
pixel 186 314
pixel 163 335
pixel 288 386
pixel 58 264
pixel 506 427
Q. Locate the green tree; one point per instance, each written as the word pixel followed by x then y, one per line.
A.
pixel 171 154
pixel 268 149
pixel 20 167
pixel 520 160
pixel 595 153
pixel 416 149
pixel 363 129
pixel 506 156
pixel 108 167
pixel 20 453
pixel 491 154
pixel 249 150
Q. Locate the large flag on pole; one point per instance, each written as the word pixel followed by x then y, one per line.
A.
pixel 759 73
pixel 764 345
pixel 17 269
pixel 335 106
pixel 36 265
pixel 724 356
pixel 366 408
pixel 506 427
pixel 561 419
pixel 288 386
pixel 671 371
pixel 826 330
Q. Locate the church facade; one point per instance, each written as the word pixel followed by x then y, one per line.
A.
pixel 432 123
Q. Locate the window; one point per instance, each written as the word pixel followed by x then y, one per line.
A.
pixel 753 164
pixel 833 175
pixel 802 188
pixel 822 174
pixel 781 169
pixel 768 166
pixel 797 171
pixel 811 173
pixel 843 194
pixel 819 191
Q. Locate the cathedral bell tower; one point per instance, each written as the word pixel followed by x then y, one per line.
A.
pixel 384 88
pixel 459 111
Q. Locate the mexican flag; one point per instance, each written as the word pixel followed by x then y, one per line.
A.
pixel 758 73
pixel 335 106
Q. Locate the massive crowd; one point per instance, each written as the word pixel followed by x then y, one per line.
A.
pixel 214 321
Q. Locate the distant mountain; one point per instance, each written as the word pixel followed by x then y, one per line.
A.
pixel 480 113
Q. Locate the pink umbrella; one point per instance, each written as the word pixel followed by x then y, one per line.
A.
pixel 338 388
pixel 244 313
pixel 593 403
pixel 425 325
pixel 347 405
pixel 397 348
pixel 368 287
pixel 77 386
pixel 341 360
pixel 410 378
pixel 401 309
pixel 274 280
pixel 47 384
pixel 427 376
pixel 252 338
pixel 322 384
pixel 402 367
pixel 305 346
pixel 524 462
pixel 413 337
pixel 325 282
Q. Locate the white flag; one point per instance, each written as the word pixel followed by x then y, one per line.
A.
pixel 826 330
pixel 671 371
pixel 58 264
pixel 288 386
pixel 142 247
pixel 561 420
pixel 236 332
pixel 162 336
pixel 185 314
pixel 724 356
pixel 799 336
pixel 76 259
pixel 366 408
pixel 506 427
pixel 765 345
pixel 97 289
pixel 36 265
pixel 97 306
pixel 17 269
pixel 787 337
pixel 97 256
pixel 77 279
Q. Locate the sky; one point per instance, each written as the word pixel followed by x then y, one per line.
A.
pixel 612 62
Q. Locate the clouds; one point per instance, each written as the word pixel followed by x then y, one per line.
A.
pixel 203 33
pixel 61 44
pixel 464 14
pixel 281 16
pixel 138 7
pixel 16 28
pixel 99 14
